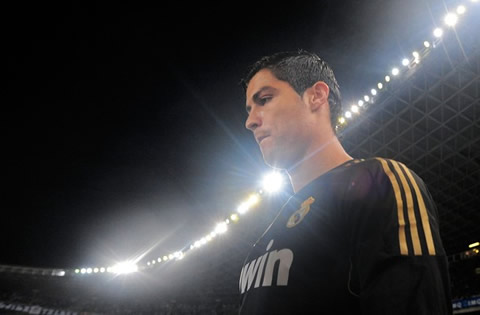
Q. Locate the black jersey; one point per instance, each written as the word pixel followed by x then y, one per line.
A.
pixel 362 238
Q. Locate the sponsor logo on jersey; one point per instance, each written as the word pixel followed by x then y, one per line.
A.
pixel 264 267
pixel 298 215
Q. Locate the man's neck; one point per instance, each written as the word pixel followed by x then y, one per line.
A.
pixel 324 158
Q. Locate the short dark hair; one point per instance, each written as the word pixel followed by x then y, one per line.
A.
pixel 301 69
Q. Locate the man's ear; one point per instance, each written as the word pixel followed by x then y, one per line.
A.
pixel 318 95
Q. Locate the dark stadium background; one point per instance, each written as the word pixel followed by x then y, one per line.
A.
pixel 123 125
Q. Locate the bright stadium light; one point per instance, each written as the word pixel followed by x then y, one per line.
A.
pixel 461 9
pixel 387 78
pixel 83 271
pixel 242 208
pixel 426 43
pixel 348 114
pixel 360 103
pixel 373 92
pixel 395 71
pixel 416 57
pixel 366 98
pixel 272 182
pixel 125 267
pixel 221 228
pixel 451 19
pixel 341 120
pixel 354 108
pixel 474 245
pixel 405 62
pixel 380 85
pixel 102 269
pixel 234 217
pixel 89 270
pixel 96 270
pixel 438 32
pixel 77 270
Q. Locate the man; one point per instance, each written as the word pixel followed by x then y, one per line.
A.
pixel 358 236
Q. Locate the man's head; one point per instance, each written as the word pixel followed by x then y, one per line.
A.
pixel 293 102
pixel 301 69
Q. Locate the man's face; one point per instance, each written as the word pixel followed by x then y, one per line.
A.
pixel 279 119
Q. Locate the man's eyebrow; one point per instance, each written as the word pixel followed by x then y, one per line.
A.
pixel 256 96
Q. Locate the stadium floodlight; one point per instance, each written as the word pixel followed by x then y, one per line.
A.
pixel 159 259
pixel 426 43
pixel 416 57
pixel 387 78
pixel 242 208
pixel 373 92
pixel 102 269
pixel 234 217
pixel 89 270
pixel 474 245
pixel 253 199
pixel 125 267
pixel 354 108
pixel 341 120
pixel 83 270
pixel 272 182
pixel 405 62
pixel 451 19
pixel 366 98
pixel 178 255
pixel 438 32
pixel 348 114
pixel 96 270
pixel 77 270
pixel 461 9
pixel 380 85
pixel 221 228
pixel 395 71
pixel 165 258
pixel 360 103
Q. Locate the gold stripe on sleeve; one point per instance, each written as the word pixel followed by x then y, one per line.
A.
pixel 423 212
pixel 412 221
pixel 398 197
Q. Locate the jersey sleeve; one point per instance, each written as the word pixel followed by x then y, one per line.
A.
pixel 398 263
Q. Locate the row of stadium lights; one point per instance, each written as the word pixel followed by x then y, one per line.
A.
pixel 450 20
pixel 273 181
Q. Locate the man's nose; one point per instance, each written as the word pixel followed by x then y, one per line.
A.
pixel 253 120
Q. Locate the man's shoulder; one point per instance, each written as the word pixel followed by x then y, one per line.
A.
pixel 378 165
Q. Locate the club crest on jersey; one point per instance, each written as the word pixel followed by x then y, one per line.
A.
pixel 298 215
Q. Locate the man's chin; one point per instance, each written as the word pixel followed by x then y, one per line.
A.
pixel 273 161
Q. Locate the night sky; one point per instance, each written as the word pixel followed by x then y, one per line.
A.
pixel 123 126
